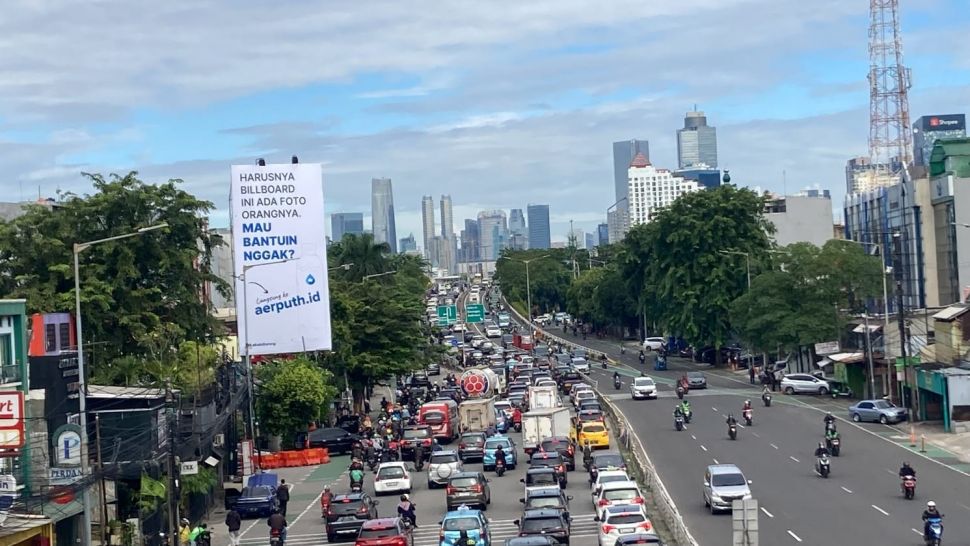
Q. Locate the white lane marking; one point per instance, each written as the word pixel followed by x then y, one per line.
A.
pixel 740 425
pixel 756 435
pixel 715 461
pixel 694 437
pixel 920 533
pixel 794 459
pixel 964 506
pixel 846 489
pixel 704 448
pixel 767 513
pixel 880 510
pixel 794 536
pixel 890 471
pixel 713 408
pixel 773 445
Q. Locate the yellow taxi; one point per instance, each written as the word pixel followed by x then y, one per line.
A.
pixel 595 433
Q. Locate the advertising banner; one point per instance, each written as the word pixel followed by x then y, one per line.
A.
pixel 945 122
pixel 280 258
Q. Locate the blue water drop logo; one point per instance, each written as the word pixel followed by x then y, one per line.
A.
pixel 310 279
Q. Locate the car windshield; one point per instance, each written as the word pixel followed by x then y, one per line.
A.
pixel 390 472
pixel 728 479
pixel 433 417
pixel 416 434
pixel 621 494
pixel 536 525
pixel 444 458
pixel 378 533
pixel 625 519
pixel 460 524
pixel 553 444
pixel 257 491
pixel 602 461
pixel 695 375
pixel 643 381
pixel 541 478
pixel 585 394
pixel 493 444
pixel 464 482
pixel 544 502
pixel 608 479
pixel 474 439
pixel 594 428
pixel 883 404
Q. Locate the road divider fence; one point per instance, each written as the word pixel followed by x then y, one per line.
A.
pixel 643 470
pixel 295 458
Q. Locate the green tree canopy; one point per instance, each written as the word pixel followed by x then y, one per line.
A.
pixel 292 394
pixel 130 289
pixel 549 276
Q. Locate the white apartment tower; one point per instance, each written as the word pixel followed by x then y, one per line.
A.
pixel 652 189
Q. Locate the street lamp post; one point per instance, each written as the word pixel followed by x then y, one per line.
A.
pixel 747 261
pixel 82 382
pixel 528 282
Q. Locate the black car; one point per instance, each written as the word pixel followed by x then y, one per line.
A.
pixel 450 394
pixel 606 460
pixel 568 379
pixel 544 522
pixel 350 423
pixel 534 540
pixel 638 538
pixel 471 446
pixel 347 512
pixel 539 476
pixel 589 404
pixel 420 379
pixel 564 446
pixel 411 436
pixel 552 499
pixel 550 459
pixel 337 440
pixel 433 369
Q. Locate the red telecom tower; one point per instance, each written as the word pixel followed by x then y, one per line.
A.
pixel 890 140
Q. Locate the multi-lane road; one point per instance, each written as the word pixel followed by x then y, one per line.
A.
pixel 860 503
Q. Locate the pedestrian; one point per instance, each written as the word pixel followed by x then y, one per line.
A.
pixel 283 496
pixel 751 373
pixel 366 405
pixel 185 533
pixel 234 523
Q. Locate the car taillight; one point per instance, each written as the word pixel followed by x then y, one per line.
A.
pixel 427 442
pixel 603 502
pixel 362 510
pixel 607 529
pixel 638 500
pixel 449 490
pixel 477 488
pixel 645 526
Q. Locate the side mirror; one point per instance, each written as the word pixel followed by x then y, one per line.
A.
pixel 522 500
pixel 516 522
pixel 750 482
pixel 707 483
pixel 569 497
pixel 521 480
pixel 596 518
pixel 375 502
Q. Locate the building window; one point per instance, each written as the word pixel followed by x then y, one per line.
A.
pixel 50 331
pixel 6 350
pixel 64 331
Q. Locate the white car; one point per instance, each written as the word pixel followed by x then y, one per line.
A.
pixel 608 476
pixel 804 383
pixel 643 387
pixel 458 327
pixel 615 493
pixel 622 520
pixel 654 344
pixel 493 331
pixel 581 365
pixel 583 395
pixel 392 477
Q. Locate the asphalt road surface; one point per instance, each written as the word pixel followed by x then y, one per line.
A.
pixel 860 503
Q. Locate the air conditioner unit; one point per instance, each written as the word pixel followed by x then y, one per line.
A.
pixel 219 440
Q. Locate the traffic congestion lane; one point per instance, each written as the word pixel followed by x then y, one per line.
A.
pixel 861 498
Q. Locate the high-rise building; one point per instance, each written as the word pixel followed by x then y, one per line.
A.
pixel 603 234
pixel 493 230
pixel 447 218
pixel 623 153
pixel 382 212
pixel 518 233
pixel 928 129
pixel 470 242
pixel 590 241
pixel 342 223
pixel 408 244
pixel 540 236
pixel 696 142
pixel 427 225
pixel 652 189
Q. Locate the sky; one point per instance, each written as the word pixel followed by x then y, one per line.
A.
pixel 498 104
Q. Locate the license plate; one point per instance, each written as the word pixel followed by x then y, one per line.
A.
pixel 628 530
pixel 347 518
pixel 390 484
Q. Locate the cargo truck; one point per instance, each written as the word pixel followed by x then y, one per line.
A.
pixel 476 415
pixel 544 423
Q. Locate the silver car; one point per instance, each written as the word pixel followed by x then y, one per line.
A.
pixel 723 484
pixel 804 383
pixel 442 465
pixel 882 411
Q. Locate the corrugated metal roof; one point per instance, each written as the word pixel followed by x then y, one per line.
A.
pixel 951 312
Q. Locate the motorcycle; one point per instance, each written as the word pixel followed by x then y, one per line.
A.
pixel 835 445
pixel 603 364
pixel 688 415
pixel 909 487
pixel 616 383
pixel 733 431
pixel 204 539
pixel 823 466
pixel 747 417
pixel 499 468
pixel 679 422
pixel 766 398
pixel 356 486
pixel 935 535
pixel 829 427
pixel 680 392
pixel 275 537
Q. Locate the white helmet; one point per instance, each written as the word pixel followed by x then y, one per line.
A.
pixel 931 504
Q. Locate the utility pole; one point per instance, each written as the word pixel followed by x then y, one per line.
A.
pixel 173 504
pixel 901 315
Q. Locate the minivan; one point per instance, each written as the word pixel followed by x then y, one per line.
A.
pixel 723 484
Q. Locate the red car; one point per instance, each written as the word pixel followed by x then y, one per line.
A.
pixel 385 532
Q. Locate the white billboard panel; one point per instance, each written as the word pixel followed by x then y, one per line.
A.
pixel 280 258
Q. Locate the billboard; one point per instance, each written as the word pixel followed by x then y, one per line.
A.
pixel 280 258
pixel 946 122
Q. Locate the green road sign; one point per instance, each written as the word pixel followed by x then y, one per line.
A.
pixel 447 315
pixel 474 312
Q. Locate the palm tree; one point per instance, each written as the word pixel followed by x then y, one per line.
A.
pixel 364 256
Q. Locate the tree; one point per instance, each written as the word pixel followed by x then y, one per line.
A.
pixel 130 288
pixel 549 277
pixel 292 394
pixel 679 264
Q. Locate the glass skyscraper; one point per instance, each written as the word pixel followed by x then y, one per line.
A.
pixel 696 142
pixel 382 212
pixel 342 223
pixel 539 234
pixel 928 129
pixel 623 153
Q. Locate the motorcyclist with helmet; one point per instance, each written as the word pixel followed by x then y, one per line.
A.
pixel 930 512
pixel 906 470
pixel 821 450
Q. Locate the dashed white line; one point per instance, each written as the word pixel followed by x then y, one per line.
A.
pixel 694 437
pixel 756 435
pixel 704 448
pixel 713 408
pixel 794 459
pixel 844 488
pixel 767 513
pixel 920 533
pixel 794 536
pixel 740 425
pixel 773 445
pixel 880 510
pixel 715 461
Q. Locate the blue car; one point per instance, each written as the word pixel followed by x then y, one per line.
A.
pixel 488 459
pixel 473 522
pixel 258 498
pixel 502 423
